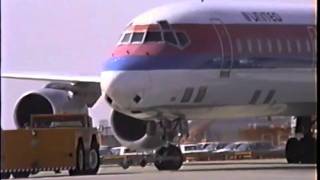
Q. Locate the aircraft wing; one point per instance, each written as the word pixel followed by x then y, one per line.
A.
pixel 88 87
pixel 50 77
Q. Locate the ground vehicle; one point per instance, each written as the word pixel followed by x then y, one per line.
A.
pixel 194 152
pixel 232 147
pixel 126 157
pixel 261 149
pixel 120 151
pixel 252 149
pixel 212 146
pixel 51 143
pixel 105 151
pixel 191 148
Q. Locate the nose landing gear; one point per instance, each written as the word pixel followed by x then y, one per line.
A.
pixel 169 158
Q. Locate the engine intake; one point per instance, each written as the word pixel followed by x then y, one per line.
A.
pixel 46 101
pixel 31 104
pixel 123 127
pixel 132 132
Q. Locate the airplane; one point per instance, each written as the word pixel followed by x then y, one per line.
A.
pixel 197 61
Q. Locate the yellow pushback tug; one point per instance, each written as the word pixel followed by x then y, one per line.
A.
pixel 51 143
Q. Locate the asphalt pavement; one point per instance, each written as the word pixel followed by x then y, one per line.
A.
pixel 273 169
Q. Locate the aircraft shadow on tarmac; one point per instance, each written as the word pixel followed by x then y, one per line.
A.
pixel 246 166
pixel 214 166
pixel 234 163
pixel 99 174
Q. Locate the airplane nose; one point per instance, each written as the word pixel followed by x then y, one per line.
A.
pixel 124 90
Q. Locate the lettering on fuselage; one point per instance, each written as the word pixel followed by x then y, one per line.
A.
pixel 262 17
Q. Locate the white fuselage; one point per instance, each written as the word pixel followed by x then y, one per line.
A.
pixel 224 98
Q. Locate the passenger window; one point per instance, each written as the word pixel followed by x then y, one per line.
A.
pixel 238 42
pixel 279 45
pixel 308 45
pixel 249 43
pixel 259 45
pixel 298 45
pixel 289 46
pixel 183 39
pixel 169 37
pixel 269 45
pixel 153 37
pixel 137 37
pixel 126 38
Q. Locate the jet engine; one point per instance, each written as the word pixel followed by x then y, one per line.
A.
pixel 135 133
pixel 47 101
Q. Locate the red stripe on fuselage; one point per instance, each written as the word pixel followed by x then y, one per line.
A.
pixel 204 39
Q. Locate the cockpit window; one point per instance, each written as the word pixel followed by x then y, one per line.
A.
pixel 126 38
pixel 153 36
pixel 183 39
pixel 137 37
pixel 165 34
pixel 164 25
pixel 169 37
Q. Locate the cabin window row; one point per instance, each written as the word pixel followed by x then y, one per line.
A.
pixel 273 45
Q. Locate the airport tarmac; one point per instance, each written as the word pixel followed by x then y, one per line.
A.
pixel 273 169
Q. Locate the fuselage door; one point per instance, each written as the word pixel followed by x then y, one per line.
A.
pixel 225 43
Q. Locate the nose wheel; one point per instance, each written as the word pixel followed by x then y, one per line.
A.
pixel 168 158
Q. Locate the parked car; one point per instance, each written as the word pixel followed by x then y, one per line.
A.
pixel 212 146
pixel 191 148
pixel 105 151
pixel 232 147
pixel 259 149
pixel 118 151
pixel 122 150
pixel 126 157
pixel 265 149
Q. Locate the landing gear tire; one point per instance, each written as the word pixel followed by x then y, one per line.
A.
pixel 20 174
pixel 293 151
pixel 143 163
pixel 5 175
pixel 34 172
pixel 301 151
pixel 169 158
pixel 93 159
pixel 125 164
pixel 309 150
pixel 79 170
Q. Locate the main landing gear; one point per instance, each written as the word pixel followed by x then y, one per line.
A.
pixel 169 157
pixel 302 150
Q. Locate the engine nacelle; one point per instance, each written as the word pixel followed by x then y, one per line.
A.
pixel 47 101
pixel 132 133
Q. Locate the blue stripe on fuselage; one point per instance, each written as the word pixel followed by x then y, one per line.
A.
pixel 205 61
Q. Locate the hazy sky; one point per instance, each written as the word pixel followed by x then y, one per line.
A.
pixel 60 37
